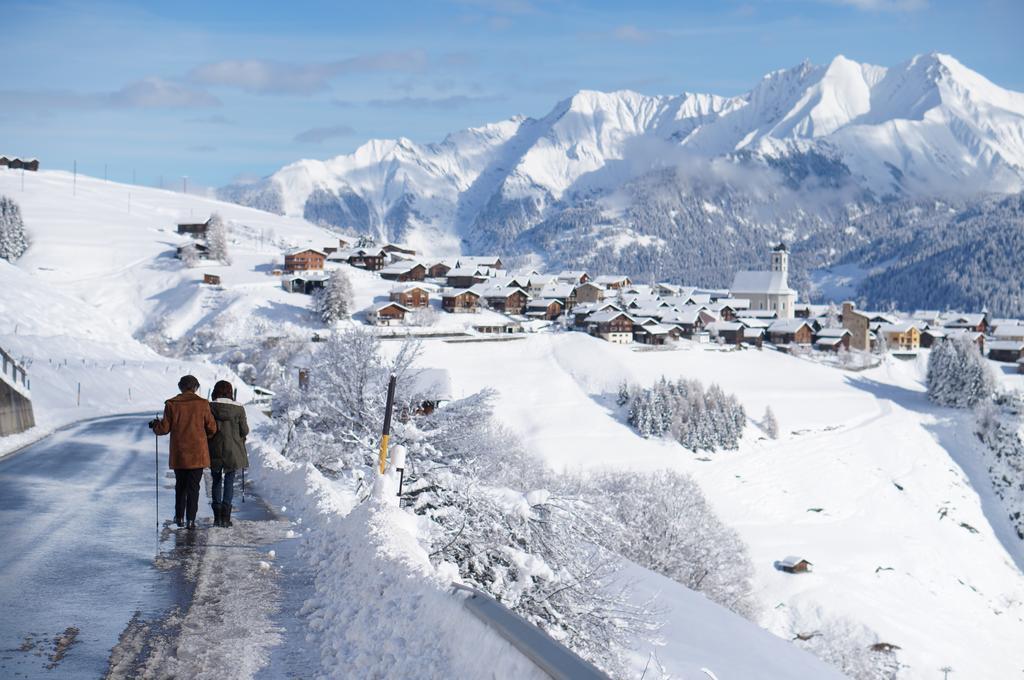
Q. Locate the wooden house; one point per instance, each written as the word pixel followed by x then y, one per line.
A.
pixel 29 164
pixel 574 277
pixel 753 336
pixel 304 282
pixel 971 322
pixel 589 292
pixel 499 327
pixel 482 261
pixel 194 229
pixel 790 332
pixel 438 270
pixel 397 252
pixel 611 325
pixel 412 297
pixel 794 565
pixel 304 260
pixel 404 270
pixel 832 339
pixel 211 279
pixel 1009 351
pixel 930 336
pixel 542 308
pixel 461 277
pixel 201 250
pixel 651 334
pixel 727 332
pixel 461 302
pixel 506 300
pixel 388 314
pixel 1009 332
pixel 565 293
pixel 612 282
pixel 370 259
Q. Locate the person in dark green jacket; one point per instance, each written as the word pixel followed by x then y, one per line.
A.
pixel 227 449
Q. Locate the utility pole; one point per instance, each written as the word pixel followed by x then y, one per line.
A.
pixel 184 184
pixel 945 670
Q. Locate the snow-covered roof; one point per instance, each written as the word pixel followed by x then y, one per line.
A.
pixel 455 292
pixel 558 290
pixel 787 325
pixel 654 329
pixel 465 271
pixel 753 332
pixel 828 341
pixel 308 275
pixel 401 267
pixel 792 561
pixel 409 287
pixel 1006 331
pixel 901 327
pixel 606 279
pixel 607 315
pixel 465 261
pixel 961 320
pixel 1006 345
pixel 571 274
pixel 837 333
pixel 754 323
pixel 719 326
pixel 755 313
pixel 299 251
pixel 760 282
pixel 733 303
pixel 385 305
pixel 498 291
pixel 542 303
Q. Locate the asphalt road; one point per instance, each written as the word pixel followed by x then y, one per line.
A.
pixel 78 538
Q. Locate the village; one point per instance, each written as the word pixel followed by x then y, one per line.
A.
pixel 758 310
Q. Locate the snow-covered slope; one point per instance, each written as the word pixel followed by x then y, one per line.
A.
pixel 924 127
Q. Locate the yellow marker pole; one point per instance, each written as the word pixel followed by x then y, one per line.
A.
pixel 388 408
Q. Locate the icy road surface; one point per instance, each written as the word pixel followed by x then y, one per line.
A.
pixel 86 592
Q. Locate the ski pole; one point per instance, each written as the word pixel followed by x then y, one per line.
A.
pixel 243 485
pixel 156 482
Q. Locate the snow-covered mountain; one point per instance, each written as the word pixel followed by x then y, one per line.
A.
pixel 615 178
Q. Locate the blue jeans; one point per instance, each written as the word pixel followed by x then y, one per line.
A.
pixel 223 485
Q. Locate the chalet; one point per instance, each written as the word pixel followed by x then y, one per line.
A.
pixel 201 250
pixel 461 302
pixel 931 317
pixel 832 339
pixel 304 260
pixel 690 320
pixel 344 244
pixel 728 332
pixel 668 289
pixel 808 311
pixel 397 252
pixel 573 276
pixel 768 289
pixel 651 334
pixel 612 325
pixel 753 336
pixel 305 282
pixel 903 336
pixel 1009 332
pixel 507 300
pixel 465 277
pixel 195 229
pixel 565 293
pixel 791 332
pixel 15 163
pixel 612 282
pixel 211 279
pixel 484 261
pixel 859 326
pixel 388 314
pixel 794 565
pixel 971 322
pixel 995 323
pixel 544 309
pixel 764 314
pixel 438 270
pixel 499 327
pixel 370 259
pixel 581 311
pixel 1005 350
pixel 930 336
pixel 589 292
pixel 412 297
pixel 404 270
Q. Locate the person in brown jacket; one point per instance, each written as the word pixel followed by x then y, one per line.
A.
pixel 187 418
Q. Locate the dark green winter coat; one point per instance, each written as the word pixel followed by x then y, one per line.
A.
pixel 227 447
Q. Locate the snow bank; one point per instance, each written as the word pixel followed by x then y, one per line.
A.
pixel 380 608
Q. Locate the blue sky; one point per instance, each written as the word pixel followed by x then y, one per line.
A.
pixel 218 91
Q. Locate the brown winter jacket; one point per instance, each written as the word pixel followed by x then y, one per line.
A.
pixel 188 419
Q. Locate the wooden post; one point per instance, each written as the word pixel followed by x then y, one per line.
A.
pixel 388 408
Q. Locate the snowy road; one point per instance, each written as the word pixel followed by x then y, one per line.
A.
pixel 85 592
pixel 77 547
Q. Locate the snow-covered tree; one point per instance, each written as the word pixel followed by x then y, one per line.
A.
pixel 958 375
pixel 695 417
pixel 189 255
pixel 13 240
pixel 662 521
pixel 881 344
pixel 623 395
pixel 334 301
pixel 769 424
pixel 217 239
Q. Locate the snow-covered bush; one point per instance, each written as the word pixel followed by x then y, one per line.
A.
pixel 423 317
pixel 13 240
pixel 769 423
pixel 662 522
pixel 217 239
pixel 334 301
pixel 537 552
pixel 190 255
pixel 958 374
pixel 1000 429
pixel 695 417
pixel 851 647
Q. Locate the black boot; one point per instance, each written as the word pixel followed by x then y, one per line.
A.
pixel 225 514
pixel 191 525
pixel 179 521
pixel 216 514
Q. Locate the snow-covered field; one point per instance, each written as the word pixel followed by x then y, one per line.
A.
pixel 882 492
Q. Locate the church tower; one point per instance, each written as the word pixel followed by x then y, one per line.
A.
pixel 780 259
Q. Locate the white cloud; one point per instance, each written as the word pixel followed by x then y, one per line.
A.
pixel 321 134
pixel 148 93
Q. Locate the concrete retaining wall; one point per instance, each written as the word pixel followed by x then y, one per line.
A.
pixel 15 411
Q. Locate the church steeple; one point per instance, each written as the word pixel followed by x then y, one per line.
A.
pixel 780 259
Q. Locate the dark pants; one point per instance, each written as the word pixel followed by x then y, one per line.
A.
pixel 223 485
pixel 186 492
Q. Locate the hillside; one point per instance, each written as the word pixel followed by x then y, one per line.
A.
pixel 687 186
pixel 99 292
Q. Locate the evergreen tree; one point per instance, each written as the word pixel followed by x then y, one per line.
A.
pixel 958 375
pixel 13 241
pixel 189 255
pixel 334 302
pixel 217 239
pixel 770 425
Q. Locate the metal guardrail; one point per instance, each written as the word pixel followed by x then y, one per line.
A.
pixel 545 652
pixel 13 371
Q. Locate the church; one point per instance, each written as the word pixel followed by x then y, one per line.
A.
pixel 768 290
